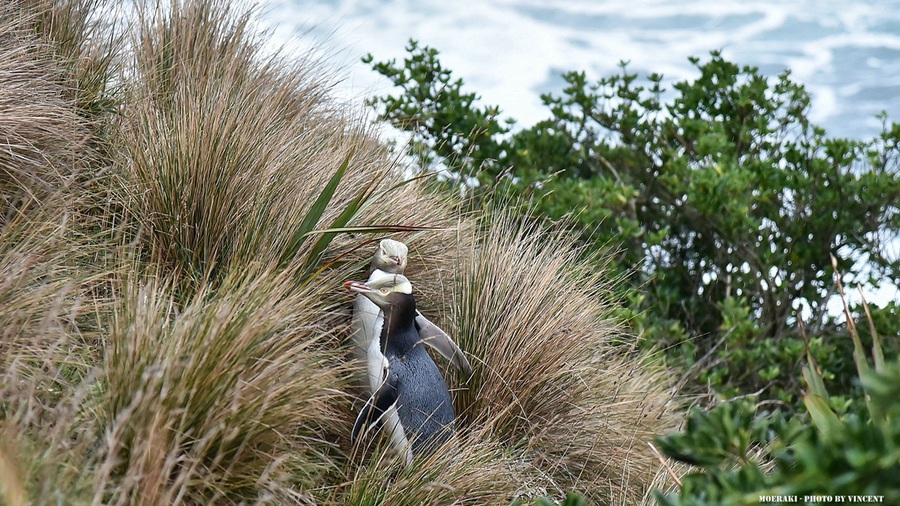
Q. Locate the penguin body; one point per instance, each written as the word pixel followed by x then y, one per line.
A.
pixel 413 401
pixel 390 257
pixel 368 324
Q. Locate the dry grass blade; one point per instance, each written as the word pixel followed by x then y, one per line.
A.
pixel 665 464
pixel 859 354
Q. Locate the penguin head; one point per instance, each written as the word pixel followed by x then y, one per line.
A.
pixel 390 256
pixel 380 289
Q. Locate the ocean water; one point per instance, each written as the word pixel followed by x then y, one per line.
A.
pixel 847 54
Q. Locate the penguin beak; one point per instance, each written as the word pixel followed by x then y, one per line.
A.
pixel 356 286
pixel 397 260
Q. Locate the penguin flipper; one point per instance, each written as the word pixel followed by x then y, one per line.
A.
pixel 438 340
pixel 384 398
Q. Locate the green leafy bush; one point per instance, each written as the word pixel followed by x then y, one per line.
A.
pixel 446 125
pixel 743 452
pixel 724 200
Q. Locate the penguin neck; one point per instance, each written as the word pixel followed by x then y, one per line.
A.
pixel 378 269
pixel 399 331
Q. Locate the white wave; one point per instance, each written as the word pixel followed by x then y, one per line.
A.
pixel 510 50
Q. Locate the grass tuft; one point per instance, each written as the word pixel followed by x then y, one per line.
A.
pixel 550 374
pixel 463 472
pixel 43 135
pixel 227 149
pixel 221 399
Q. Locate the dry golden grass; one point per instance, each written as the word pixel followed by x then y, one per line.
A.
pixel 225 148
pixel 164 340
pixel 551 375
pixel 56 58
pixel 43 135
pixel 52 253
pixel 224 398
pixel 49 272
pixel 467 471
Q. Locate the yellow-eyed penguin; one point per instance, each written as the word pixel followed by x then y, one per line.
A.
pixel 391 258
pixel 413 402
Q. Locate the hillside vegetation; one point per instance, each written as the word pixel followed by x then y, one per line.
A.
pixel 735 223
pixel 172 324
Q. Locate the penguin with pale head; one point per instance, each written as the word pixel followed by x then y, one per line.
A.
pixel 391 258
pixel 412 402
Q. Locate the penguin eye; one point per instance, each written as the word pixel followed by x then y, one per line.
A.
pixel 384 291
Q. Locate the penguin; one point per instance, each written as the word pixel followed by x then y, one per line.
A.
pixel 391 258
pixel 413 402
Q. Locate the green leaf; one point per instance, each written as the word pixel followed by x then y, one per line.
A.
pixel 827 423
pixel 814 380
pixel 315 212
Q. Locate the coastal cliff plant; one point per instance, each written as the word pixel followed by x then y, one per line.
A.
pixel 723 199
pixel 742 451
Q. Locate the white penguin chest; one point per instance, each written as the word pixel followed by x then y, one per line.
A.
pixel 376 363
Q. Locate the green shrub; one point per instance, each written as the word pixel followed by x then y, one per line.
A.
pixel 743 452
pixel 723 199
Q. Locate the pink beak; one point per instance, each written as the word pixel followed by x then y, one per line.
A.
pixel 356 286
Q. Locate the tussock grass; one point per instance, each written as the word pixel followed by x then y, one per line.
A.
pixel 52 246
pixel 550 374
pixel 226 148
pixel 225 398
pixel 48 351
pixel 84 38
pixel 44 138
pixel 169 336
pixel 39 291
pixel 467 471
pixel 52 252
